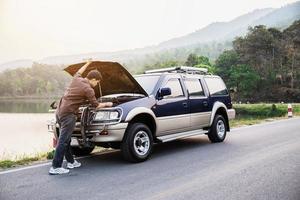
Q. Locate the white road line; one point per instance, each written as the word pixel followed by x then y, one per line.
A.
pixel 23 168
pixel 49 163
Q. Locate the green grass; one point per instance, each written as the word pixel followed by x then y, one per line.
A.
pixel 249 114
pixel 4 164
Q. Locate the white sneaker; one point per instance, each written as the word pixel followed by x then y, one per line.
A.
pixel 60 170
pixel 75 164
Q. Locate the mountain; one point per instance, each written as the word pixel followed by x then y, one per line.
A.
pixel 16 64
pixel 213 32
pixel 203 39
pixel 222 31
pixel 282 17
pixel 217 31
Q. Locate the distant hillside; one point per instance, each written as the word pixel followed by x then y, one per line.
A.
pixel 217 31
pixel 223 31
pixel 212 33
pixel 16 64
pixel 282 17
pixel 209 41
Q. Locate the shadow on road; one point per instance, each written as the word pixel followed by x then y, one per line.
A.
pixel 169 149
pixel 180 145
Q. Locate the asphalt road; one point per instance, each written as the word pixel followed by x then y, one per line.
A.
pixel 256 162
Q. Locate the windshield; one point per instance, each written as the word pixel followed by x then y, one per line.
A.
pixel 147 82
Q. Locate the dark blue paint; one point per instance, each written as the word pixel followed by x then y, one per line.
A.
pixel 176 106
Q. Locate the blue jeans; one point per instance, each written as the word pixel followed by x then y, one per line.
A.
pixel 66 128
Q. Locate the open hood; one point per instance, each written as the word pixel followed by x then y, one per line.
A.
pixel 115 78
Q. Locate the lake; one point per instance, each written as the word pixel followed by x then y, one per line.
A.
pixel 24 128
pixel 25 105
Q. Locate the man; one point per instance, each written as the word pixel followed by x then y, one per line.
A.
pixel 79 91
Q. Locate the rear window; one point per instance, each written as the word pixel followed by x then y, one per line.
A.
pixel 216 86
pixel 194 87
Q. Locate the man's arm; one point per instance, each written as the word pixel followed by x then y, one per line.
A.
pixel 90 94
pixel 83 68
pixel 105 104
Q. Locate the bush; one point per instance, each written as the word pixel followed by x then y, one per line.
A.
pixel 260 110
pixel 50 155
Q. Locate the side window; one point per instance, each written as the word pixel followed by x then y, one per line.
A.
pixel 194 87
pixel 216 86
pixel 176 89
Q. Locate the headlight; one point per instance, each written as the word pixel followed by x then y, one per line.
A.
pixel 101 116
pixel 114 115
pixel 106 115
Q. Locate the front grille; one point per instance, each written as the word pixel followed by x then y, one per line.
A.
pixel 78 117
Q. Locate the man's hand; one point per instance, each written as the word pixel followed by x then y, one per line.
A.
pixel 109 104
pixel 104 105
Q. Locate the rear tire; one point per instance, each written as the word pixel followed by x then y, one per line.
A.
pixel 217 132
pixel 137 143
pixel 84 151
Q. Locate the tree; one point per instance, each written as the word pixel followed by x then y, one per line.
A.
pixel 192 60
pixel 244 79
pixel 34 81
pixel 225 62
pixel 264 64
pixel 292 47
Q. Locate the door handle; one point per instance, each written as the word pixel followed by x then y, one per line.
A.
pixel 205 103
pixel 184 105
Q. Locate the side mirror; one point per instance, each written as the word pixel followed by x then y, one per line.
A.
pixel 164 92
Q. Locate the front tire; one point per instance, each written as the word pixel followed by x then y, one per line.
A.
pixel 217 132
pixel 137 143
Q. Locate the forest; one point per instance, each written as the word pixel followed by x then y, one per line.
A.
pixel 262 66
pixel 40 80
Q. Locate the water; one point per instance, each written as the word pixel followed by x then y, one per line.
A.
pixel 25 105
pixel 24 128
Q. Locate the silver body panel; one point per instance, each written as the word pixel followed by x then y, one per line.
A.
pixel 200 120
pixel 172 124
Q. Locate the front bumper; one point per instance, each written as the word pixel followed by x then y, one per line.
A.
pixel 89 129
pixel 231 113
pixel 98 133
pixel 109 133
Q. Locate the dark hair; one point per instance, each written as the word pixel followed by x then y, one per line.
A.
pixel 94 74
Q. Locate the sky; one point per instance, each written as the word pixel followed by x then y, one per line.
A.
pixel 34 29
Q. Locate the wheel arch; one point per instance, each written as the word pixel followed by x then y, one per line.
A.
pixel 219 108
pixel 145 116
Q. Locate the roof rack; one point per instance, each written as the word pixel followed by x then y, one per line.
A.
pixel 179 69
